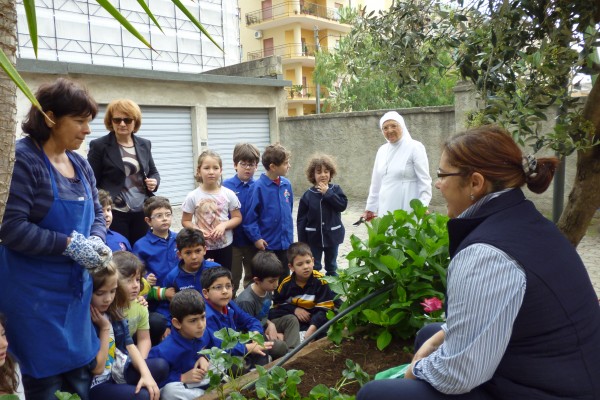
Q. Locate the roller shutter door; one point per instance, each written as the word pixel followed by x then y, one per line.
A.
pixel 170 131
pixel 229 126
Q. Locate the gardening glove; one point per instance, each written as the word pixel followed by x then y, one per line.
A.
pixel 101 248
pixel 83 252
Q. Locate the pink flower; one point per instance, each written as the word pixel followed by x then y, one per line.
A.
pixel 431 305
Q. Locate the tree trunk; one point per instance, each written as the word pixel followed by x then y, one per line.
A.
pixel 584 198
pixel 8 99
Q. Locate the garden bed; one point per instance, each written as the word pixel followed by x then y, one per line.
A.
pixel 323 362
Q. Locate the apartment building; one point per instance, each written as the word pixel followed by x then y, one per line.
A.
pixel 295 30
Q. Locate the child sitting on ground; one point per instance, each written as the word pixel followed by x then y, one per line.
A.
pixel 131 270
pixel 190 250
pixel 114 377
pixel 257 299
pixel 305 293
pixel 158 252
pixel 269 223
pixel 114 240
pixel 221 313
pixel 188 370
pixel 320 209
pixel 245 160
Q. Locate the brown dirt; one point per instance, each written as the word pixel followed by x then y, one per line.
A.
pixel 325 365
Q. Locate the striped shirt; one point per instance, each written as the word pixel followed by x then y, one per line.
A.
pixel 484 303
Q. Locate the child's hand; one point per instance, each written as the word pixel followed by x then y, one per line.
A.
pixel 322 187
pixel 197 373
pixel 255 348
pixel 261 244
pixel 151 278
pixel 302 314
pixel 218 231
pixel 149 383
pixel 271 331
pixel 142 300
pixel 170 293
pixel 98 319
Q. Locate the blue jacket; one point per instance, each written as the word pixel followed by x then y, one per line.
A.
pixel 554 347
pixel 180 353
pixel 116 241
pixel 319 221
pixel 270 213
pixel 158 254
pixel 242 191
pixel 236 319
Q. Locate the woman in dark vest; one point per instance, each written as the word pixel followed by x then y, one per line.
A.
pixel 124 167
pixel 523 320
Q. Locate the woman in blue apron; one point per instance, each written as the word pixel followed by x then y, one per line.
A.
pixel 52 233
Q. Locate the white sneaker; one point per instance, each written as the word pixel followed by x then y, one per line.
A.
pixel 302 334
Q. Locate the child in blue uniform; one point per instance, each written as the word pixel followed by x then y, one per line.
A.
pixel 319 220
pixel 114 240
pixel 221 313
pixel 269 222
pixel 245 161
pixel 158 252
pixel 188 370
pixel 191 250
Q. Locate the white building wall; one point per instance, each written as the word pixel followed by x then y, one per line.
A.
pixel 81 31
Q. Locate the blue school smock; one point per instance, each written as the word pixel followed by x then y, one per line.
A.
pixel 47 298
pixel 242 191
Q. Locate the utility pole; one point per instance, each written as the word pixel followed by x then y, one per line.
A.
pixel 318 86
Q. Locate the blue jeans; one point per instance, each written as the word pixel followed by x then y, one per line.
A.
pixel 75 381
pixel 392 389
pixel 331 254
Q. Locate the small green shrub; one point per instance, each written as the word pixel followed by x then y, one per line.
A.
pixel 408 250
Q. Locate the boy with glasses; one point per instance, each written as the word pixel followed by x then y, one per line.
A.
pixel 221 312
pixel 245 161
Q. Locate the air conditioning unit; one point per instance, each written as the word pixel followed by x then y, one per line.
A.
pixel 258 35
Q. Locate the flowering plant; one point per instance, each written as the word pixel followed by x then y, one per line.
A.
pixel 431 305
pixel 408 251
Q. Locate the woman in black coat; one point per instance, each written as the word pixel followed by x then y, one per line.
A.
pixel 123 166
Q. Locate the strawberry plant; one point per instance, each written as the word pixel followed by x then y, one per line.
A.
pixel 407 251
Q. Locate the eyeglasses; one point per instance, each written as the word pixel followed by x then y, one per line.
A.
pixel 445 174
pixel 246 165
pixel 162 216
pixel 119 120
pixel 219 288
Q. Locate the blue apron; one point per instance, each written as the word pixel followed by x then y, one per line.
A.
pixel 46 299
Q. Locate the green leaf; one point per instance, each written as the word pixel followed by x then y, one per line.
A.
pixel 31 23
pixel 384 339
pixel 12 73
pixel 193 19
pixel 147 10
pixel 107 5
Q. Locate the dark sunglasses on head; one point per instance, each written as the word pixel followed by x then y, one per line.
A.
pixel 119 120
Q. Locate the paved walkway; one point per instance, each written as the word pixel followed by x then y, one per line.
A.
pixel 589 248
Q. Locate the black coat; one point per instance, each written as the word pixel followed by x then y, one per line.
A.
pixel 105 158
pixel 319 219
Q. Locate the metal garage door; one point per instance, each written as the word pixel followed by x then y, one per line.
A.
pixel 228 126
pixel 170 131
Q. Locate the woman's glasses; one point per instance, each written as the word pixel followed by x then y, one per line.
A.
pixel 119 120
pixel 441 174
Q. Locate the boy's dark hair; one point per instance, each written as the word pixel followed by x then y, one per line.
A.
pixel 104 198
pixel 186 302
pixel 154 202
pixel 274 154
pixel 298 249
pixel 188 237
pixel 210 275
pixel 320 161
pixel 246 152
pixel 128 264
pixel 266 265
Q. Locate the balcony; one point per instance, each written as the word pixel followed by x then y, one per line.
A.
pixel 296 11
pixel 294 52
pixel 303 94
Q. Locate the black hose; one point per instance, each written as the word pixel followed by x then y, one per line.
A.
pixel 324 328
